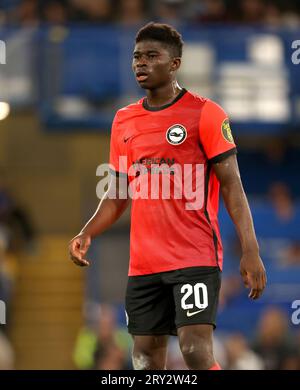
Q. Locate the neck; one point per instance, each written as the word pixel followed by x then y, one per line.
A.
pixel 163 95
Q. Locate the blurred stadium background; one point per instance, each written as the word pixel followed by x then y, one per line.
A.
pixel 67 70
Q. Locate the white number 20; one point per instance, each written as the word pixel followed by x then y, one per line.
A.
pixel 188 290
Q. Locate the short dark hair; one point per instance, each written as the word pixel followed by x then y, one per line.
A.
pixel 163 33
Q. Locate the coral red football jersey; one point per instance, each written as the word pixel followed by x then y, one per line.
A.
pixel 167 154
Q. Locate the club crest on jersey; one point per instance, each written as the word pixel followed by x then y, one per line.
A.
pixel 226 131
pixel 176 134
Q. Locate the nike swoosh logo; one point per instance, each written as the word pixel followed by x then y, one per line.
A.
pixel 193 313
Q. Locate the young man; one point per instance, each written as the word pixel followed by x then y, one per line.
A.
pixel 176 252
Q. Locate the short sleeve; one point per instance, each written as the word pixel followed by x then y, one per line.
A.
pixel 117 155
pixel 215 133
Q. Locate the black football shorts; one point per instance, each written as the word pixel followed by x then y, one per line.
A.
pixel 158 304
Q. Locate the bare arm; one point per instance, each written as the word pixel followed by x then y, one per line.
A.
pixel 107 212
pixel 251 266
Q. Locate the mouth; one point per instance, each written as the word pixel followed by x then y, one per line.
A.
pixel 141 76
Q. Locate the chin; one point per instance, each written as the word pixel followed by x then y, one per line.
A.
pixel 148 86
pixel 145 85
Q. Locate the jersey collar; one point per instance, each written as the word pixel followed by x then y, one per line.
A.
pixel 149 108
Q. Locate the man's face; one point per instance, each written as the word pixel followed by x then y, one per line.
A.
pixel 153 64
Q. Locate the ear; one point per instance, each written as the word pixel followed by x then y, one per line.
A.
pixel 175 64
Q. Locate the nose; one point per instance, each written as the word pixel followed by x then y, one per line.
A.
pixel 141 61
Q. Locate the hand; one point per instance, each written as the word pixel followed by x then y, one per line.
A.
pixel 78 248
pixel 253 274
